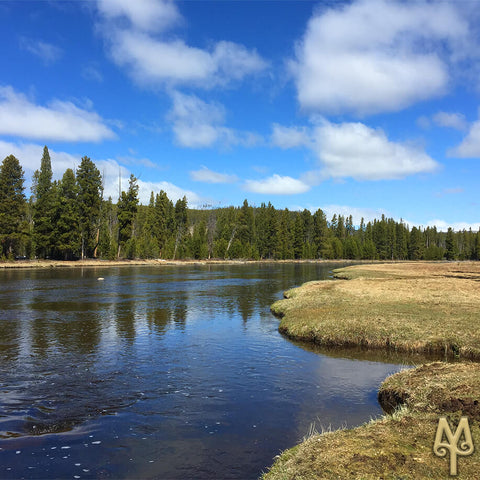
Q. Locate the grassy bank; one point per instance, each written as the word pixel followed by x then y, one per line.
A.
pixel 411 307
pixel 398 446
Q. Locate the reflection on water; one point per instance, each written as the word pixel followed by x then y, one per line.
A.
pixel 163 372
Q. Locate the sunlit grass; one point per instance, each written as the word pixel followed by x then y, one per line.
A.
pixel 411 307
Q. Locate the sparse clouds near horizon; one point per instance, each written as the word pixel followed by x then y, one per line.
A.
pixel 59 120
pixel 30 154
pixel 277 185
pixel 208 176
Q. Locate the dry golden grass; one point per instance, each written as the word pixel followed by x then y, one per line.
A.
pixel 438 388
pixel 412 307
pixel 398 446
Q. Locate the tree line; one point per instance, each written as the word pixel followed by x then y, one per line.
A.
pixel 69 219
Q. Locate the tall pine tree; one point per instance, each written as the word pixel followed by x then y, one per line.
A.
pixel 44 208
pixel 12 207
pixel 90 189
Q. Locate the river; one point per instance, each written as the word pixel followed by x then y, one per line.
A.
pixel 164 372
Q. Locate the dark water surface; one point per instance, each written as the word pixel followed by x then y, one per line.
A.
pixel 163 372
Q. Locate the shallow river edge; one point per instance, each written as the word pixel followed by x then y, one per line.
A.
pixel 420 307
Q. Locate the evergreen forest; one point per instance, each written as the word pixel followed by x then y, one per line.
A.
pixel 69 219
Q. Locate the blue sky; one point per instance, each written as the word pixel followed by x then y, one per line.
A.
pixel 362 108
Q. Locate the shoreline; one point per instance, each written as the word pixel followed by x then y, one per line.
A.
pixel 410 307
pixel 22 264
pixel 399 444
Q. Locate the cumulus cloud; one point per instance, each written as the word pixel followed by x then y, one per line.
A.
pixel 470 145
pixel 373 56
pixel 450 120
pixel 208 176
pixel 354 150
pixel 47 52
pixel 363 153
pixel 30 156
pixel 277 185
pixel 199 124
pixel 59 120
pixel 153 59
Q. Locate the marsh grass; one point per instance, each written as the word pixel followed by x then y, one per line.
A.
pixel 431 308
pixel 420 307
pixel 399 445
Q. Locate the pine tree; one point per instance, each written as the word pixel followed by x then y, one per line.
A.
pixel 284 249
pixel 44 208
pixel 199 248
pixel 90 190
pixel 321 235
pixel 416 245
pixel 245 229
pixel 298 237
pixel 451 246
pixel 13 225
pixel 126 211
pixel 181 224
pixel 66 232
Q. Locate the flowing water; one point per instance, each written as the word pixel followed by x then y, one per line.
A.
pixel 164 372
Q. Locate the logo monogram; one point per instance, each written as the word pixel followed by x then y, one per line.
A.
pixel 454 444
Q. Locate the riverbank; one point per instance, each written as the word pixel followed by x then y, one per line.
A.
pixel 150 262
pixel 414 307
pixel 397 446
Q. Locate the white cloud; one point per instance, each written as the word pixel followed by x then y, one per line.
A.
pixel 208 176
pixel 289 137
pixel 143 14
pixel 373 56
pixel 30 156
pixel 198 124
pixel 151 61
pixel 47 52
pixel 443 226
pixel 470 146
pixel 277 185
pixel 59 120
pixel 155 60
pixel 450 120
pixel 353 150
pixel 363 153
